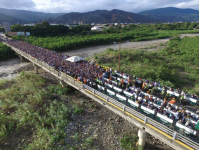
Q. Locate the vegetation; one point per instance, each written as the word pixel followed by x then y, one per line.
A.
pixel 26 104
pixel 49 37
pixel 6 52
pixel 129 143
pixel 176 65
pixel 44 29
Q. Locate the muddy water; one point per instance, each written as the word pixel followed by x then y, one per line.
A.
pixel 8 68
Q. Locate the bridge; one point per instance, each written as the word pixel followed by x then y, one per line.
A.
pixel 156 129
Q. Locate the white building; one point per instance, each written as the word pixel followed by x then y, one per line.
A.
pixel 97 28
pixel 30 24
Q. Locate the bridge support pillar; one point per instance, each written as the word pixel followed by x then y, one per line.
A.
pixel 142 134
pixel 36 68
pixel 23 59
pixel 62 83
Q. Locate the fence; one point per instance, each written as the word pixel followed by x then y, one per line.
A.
pixel 137 115
pixel 148 121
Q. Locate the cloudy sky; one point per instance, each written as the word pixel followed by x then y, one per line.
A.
pixel 66 6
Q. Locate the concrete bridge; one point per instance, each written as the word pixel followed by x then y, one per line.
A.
pixel 146 124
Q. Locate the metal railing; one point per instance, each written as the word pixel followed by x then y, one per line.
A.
pixel 138 115
pixel 173 134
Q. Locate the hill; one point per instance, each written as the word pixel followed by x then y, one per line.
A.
pixel 28 16
pixel 12 20
pixel 103 16
pixel 172 14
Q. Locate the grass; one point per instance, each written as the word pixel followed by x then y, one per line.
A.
pixel 88 142
pixel 176 65
pixel 27 104
pixel 129 143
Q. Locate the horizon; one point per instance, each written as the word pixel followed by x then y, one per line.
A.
pixel 60 6
pixel 94 10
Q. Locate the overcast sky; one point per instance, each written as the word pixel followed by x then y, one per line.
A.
pixel 66 6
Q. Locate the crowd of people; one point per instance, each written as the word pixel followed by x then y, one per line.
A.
pixel 85 72
pixel 165 107
pixel 82 71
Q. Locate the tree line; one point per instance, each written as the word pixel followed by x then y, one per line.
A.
pixel 44 29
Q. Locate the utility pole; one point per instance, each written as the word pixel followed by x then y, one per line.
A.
pixel 119 51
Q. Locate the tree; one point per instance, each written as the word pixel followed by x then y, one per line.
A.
pixel 17 28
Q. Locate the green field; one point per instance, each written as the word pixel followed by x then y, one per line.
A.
pixel 176 65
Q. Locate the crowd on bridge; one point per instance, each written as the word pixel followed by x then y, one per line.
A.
pixel 82 71
pixel 86 72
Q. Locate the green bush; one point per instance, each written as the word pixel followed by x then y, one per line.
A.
pixel 59 90
pixel 129 143
pixel 77 110
pixel 6 52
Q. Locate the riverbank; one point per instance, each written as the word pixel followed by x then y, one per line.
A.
pixel 91 51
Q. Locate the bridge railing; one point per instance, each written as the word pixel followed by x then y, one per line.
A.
pixel 148 121
pixel 137 115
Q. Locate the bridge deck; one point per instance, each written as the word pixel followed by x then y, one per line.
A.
pixel 160 131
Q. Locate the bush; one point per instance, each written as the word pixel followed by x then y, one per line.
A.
pixel 6 52
pixel 59 90
pixel 129 143
pixel 77 110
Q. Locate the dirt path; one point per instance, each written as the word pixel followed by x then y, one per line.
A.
pixel 91 51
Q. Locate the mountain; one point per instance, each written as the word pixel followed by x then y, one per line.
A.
pixel 28 16
pixel 102 16
pixel 12 20
pixel 172 14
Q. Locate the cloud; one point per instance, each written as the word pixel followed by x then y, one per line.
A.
pixel 17 4
pixel 66 6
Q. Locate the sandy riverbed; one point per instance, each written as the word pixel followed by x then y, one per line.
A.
pixel 91 51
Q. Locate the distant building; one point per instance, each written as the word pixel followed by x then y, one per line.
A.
pixel 23 33
pixel 54 24
pixel 30 24
pixel 6 26
pixel 12 33
pixel 96 28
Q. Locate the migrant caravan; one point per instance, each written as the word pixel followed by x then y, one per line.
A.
pixel 128 98
pixel 83 70
pixel 163 118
